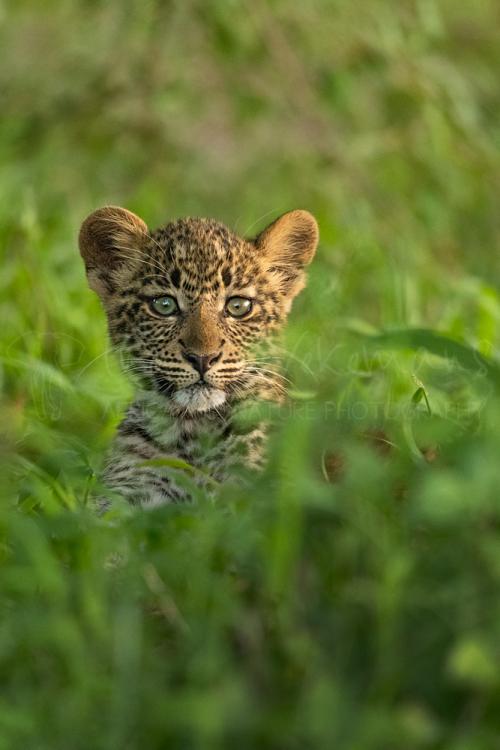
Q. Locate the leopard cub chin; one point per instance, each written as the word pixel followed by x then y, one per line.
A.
pixel 191 305
pixel 198 399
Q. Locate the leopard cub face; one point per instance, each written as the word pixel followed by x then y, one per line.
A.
pixel 189 302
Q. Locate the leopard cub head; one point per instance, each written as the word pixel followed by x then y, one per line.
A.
pixel 189 302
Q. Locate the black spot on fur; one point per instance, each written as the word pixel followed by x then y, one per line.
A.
pixel 175 277
pixel 226 277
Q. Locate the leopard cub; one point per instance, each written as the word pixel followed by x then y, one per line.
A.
pixel 188 305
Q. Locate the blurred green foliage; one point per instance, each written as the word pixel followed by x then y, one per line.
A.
pixel 362 613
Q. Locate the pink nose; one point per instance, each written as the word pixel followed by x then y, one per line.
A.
pixel 201 362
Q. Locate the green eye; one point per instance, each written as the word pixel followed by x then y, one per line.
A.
pixel 164 305
pixel 238 307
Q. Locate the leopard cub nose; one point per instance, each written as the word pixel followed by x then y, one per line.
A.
pixel 201 362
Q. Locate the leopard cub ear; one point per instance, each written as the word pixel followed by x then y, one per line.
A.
pixel 110 239
pixel 289 244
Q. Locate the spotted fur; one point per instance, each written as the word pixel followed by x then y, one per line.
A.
pixel 182 412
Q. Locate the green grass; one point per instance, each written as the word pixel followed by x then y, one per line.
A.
pixel 362 614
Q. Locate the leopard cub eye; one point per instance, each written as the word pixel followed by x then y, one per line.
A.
pixel 238 307
pixel 165 305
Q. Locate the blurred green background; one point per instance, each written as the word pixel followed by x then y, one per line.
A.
pixel 362 613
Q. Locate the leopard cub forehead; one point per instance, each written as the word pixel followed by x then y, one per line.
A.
pixel 203 255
